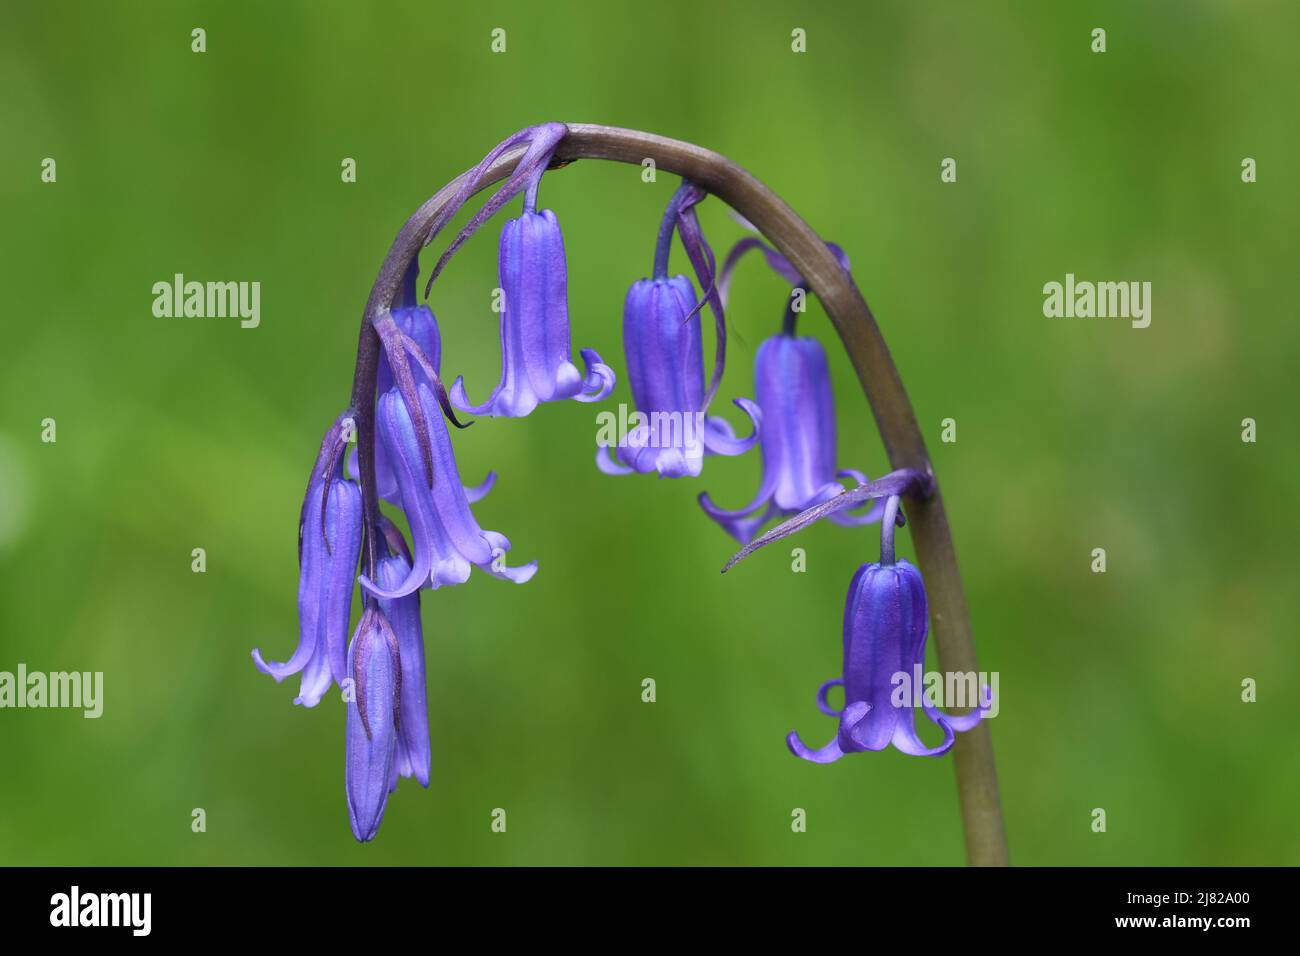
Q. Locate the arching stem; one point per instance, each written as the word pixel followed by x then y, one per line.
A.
pixel 977 786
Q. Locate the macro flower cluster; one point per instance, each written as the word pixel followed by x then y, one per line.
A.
pixel 403 418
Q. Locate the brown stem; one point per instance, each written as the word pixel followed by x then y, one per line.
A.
pixel 977 786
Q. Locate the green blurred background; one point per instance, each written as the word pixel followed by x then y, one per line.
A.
pixel 1119 690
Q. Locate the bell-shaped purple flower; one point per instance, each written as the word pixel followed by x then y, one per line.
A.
pixel 665 366
pixel 445 537
pixel 375 667
pixel 793 386
pixel 412 758
pixel 329 543
pixel 421 327
pixel 535 359
pixel 886 621
pixel 671 430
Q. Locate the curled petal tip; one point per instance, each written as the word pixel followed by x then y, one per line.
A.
pixel 741 524
pixel 606 463
pixel 500 545
pixel 721 440
pixel 277 671
pixel 461 401
pixel 412 584
pixel 822 703
pixel 599 381
pixel 828 754
pixel 476 493
pixel 906 740
pixel 518 575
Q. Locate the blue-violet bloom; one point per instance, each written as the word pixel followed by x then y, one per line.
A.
pixel 792 384
pixel 886 621
pixel 403 614
pixel 535 346
pixel 535 361
pixel 665 360
pixel 445 537
pixel 329 545
pixel 374 665
pixel 418 324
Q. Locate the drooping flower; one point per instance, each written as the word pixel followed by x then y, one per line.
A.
pixel 329 545
pixel 374 714
pixel 445 538
pixel 793 387
pixel 535 347
pixel 535 361
pixel 403 614
pixel 418 325
pixel 886 621
pixel 665 361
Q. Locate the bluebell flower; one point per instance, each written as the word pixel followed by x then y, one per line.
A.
pixel 535 347
pixel 886 621
pixel 375 668
pixel 403 614
pixel 535 362
pixel 329 545
pixel 792 384
pixel 665 361
pixel 446 539
pixel 419 328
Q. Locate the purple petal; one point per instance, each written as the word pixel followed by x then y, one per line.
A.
pixel 397 432
pixel 371 732
pixel 599 381
pixel 449 571
pixel 413 729
pixel 963 722
pixel 906 740
pixel 607 464
pixel 385 481
pixel 865 727
pixel 476 493
pixel 721 440
pixel 828 754
pixel 446 538
pixel 881 615
pixel 822 704
pixel 395 350
pixel 422 326
pixel 739 524
pixel 325 586
pixel 665 356
pixel 462 402
pixel 722 514
pixel 316 680
pixel 501 546
pixel 792 385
